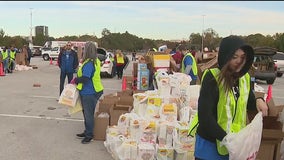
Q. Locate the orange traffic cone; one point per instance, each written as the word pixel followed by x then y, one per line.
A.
pixel 269 93
pixel 2 73
pixel 123 86
pixel 50 62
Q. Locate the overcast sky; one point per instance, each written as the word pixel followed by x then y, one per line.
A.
pixel 168 20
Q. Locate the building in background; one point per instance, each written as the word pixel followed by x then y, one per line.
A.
pixel 41 30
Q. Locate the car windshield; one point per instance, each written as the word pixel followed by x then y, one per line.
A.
pixel 278 56
pixel 101 54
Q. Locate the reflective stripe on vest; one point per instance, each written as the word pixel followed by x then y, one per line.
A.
pixel 96 77
pixel 193 66
pixel 229 117
pixel 119 58
pixel 4 55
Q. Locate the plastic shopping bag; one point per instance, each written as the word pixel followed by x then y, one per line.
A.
pixel 76 108
pixel 245 144
pixel 69 95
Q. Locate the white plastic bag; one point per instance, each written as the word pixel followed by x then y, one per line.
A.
pixel 245 144
pixel 69 95
pixel 77 108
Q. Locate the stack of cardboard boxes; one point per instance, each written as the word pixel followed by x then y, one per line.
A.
pixel 112 106
pixel 272 134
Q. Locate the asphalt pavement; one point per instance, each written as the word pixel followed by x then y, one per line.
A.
pixel 33 126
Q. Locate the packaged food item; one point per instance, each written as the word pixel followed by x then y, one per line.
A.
pixel 149 133
pixel 168 112
pixel 127 150
pixel 165 134
pixel 140 103
pixel 146 152
pixel 165 153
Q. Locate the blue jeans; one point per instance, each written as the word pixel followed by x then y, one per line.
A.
pixel 6 65
pixel 89 103
pixel 62 80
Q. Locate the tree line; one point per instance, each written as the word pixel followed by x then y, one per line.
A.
pixel 129 42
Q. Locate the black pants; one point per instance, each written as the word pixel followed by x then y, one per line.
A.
pixel 62 80
pixel 193 82
pixel 119 71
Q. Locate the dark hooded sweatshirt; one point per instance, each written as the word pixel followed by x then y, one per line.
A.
pixel 209 93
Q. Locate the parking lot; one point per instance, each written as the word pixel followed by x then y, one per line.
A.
pixel 35 127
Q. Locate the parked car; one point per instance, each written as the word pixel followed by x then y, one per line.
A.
pixel 52 53
pixel 265 68
pixel 107 66
pixel 279 61
pixel 1 48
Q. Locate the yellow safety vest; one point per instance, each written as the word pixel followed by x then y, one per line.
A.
pixel 4 55
pixel 12 54
pixel 119 58
pixel 193 67
pixel 231 113
pixel 96 77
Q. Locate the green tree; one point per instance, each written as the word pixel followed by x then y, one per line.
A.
pixel 2 34
pixel 279 41
pixel 256 40
pixel 211 39
pixel 105 32
pixel 39 40
pixel 195 40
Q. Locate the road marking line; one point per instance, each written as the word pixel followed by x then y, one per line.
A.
pixel 35 96
pixel 41 117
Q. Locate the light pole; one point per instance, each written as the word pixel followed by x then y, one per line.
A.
pixel 31 28
pixel 202 34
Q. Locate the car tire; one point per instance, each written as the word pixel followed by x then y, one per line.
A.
pixel 270 81
pixel 279 74
pixel 45 57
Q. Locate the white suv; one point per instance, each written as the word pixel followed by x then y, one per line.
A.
pixel 279 61
pixel 107 68
pixel 52 53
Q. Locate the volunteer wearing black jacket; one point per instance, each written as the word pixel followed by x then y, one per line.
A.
pixel 225 96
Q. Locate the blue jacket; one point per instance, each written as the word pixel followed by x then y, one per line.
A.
pixel 68 61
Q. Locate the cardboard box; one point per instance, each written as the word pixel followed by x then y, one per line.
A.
pixel 141 66
pixel 270 145
pixel 161 60
pixel 124 93
pixel 107 103
pixel 101 124
pixel 118 110
pixel 275 110
pixel 143 79
pixel 113 98
pixel 272 134
pixel 109 95
pixel 125 100
pixel 138 91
